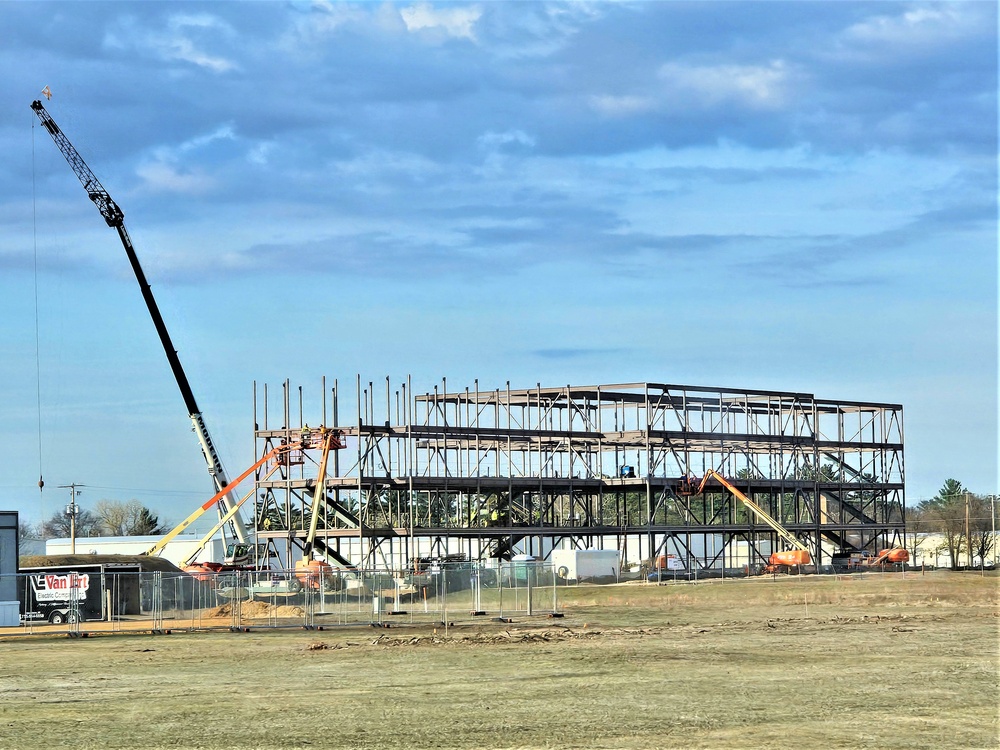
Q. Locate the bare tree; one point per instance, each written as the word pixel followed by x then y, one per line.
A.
pixel 950 513
pixel 918 522
pixel 57 526
pixel 131 518
pixel 27 533
pixel 980 527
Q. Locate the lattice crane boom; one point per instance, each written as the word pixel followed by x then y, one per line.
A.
pixel 115 218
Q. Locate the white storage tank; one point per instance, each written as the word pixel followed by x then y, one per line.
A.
pixel 586 564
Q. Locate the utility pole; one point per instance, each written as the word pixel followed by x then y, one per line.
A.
pixel 72 510
pixel 968 538
pixel 993 528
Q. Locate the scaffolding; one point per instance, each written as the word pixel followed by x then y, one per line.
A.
pixel 481 474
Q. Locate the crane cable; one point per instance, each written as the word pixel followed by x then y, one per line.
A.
pixel 38 367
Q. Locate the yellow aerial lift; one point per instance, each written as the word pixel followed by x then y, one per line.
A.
pixel 210 503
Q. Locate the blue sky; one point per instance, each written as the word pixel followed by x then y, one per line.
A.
pixel 789 196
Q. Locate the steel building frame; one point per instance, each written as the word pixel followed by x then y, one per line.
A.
pixel 489 473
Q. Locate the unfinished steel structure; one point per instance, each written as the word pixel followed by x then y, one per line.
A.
pixel 492 473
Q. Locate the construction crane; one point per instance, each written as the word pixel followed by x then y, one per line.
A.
pixel 113 215
pixel 799 555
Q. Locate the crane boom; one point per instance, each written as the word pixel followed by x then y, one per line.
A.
pixel 115 218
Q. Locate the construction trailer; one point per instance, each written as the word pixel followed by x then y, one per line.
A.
pixel 585 564
pixel 78 592
pixel 493 473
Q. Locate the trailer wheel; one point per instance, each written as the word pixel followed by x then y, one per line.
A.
pixel 72 618
pixel 57 618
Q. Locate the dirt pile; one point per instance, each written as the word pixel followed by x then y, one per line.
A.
pixel 143 562
pixel 499 637
pixel 544 635
pixel 255 610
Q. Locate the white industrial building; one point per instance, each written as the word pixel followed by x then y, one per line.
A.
pixel 177 551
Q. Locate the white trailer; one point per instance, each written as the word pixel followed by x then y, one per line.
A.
pixel 585 564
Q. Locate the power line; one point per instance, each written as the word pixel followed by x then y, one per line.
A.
pixel 38 366
pixel 150 491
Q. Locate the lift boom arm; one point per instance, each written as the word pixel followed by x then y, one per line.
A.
pixel 756 509
pixel 169 537
pixel 115 218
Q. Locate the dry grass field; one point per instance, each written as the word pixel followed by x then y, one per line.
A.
pixel 859 662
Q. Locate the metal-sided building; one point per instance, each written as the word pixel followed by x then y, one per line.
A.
pixel 8 568
pixel 177 551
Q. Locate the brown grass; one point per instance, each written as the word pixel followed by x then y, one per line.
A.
pixel 876 662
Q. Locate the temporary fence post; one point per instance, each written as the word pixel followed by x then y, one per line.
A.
pixel 555 605
pixel 73 618
pixel 444 596
pixel 530 569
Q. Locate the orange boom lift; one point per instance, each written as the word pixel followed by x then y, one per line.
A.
pixel 788 559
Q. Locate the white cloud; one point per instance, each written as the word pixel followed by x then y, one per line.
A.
pixel 200 20
pixel 382 171
pixel 221 133
pixel 320 21
pixel 173 154
pixel 174 43
pixel 185 50
pixel 622 106
pixel 259 154
pixel 160 176
pixel 918 30
pixel 535 30
pixel 919 25
pixel 164 173
pixel 454 21
pixel 492 140
pixel 763 86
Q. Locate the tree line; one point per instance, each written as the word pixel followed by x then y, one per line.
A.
pixel 964 519
pixel 108 518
